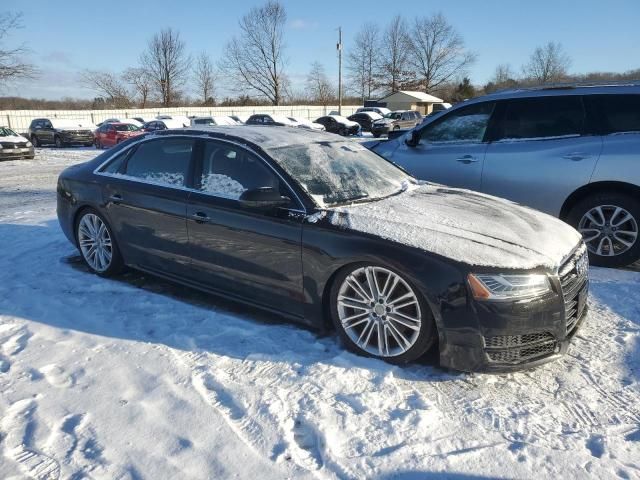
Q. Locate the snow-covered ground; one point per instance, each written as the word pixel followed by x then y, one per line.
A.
pixel 134 378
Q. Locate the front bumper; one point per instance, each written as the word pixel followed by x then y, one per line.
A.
pixel 17 153
pixel 380 129
pixel 76 139
pixel 511 336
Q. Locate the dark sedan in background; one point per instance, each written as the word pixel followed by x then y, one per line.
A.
pixel 365 119
pixel 324 231
pixel 339 124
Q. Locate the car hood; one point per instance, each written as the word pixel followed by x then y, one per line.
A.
pixel 348 123
pixel 465 226
pixel 383 121
pixel 13 139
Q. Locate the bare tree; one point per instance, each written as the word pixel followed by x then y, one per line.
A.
pixel 108 85
pixel 438 52
pixel 254 60
pixel 393 60
pixel 503 74
pixel 548 63
pixel 167 63
pixel 361 60
pixel 141 83
pixel 205 77
pixel 318 85
pixel 12 63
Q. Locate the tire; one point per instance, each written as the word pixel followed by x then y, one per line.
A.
pixel 597 217
pixel 98 144
pixel 85 237
pixel 397 127
pixel 88 144
pixel 376 135
pixel 420 337
pixel 58 142
pixel 35 141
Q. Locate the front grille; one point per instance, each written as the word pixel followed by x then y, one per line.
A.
pixel 574 275
pixel 516 349
pixel 9 145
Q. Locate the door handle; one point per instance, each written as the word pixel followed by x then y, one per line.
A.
pixel 201 217
pixel 467 159
pixel 116 198
pixel 576 156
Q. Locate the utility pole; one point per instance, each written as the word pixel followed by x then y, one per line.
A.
pixel 339 46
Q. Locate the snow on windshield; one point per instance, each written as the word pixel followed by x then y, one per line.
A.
pixel 340 172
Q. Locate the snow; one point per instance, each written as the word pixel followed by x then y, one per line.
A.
pixel 222 186
pixel 466 226
pixel 66 124
pixel 133 378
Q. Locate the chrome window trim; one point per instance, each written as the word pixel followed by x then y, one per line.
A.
pixel 97 171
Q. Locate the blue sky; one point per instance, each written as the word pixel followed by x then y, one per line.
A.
pixel 68 36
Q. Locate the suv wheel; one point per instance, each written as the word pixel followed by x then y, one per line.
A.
pixel 609 224
pixel 35 141
pixel 58 141
pixel 378 313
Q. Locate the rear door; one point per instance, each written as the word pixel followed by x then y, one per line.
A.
pixel 246 252
pixel 543 150
pixel 451 149
pixel 146 199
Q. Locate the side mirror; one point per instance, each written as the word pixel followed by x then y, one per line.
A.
pixel 263 198
pixel 414 138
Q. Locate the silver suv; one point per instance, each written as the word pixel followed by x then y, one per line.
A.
pixel 571 151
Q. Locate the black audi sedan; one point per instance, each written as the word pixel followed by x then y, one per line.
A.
pixel 326 232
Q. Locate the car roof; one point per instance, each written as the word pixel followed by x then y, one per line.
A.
pixel 561 89
pixel 261 136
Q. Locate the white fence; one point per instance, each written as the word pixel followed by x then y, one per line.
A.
pixel 20 120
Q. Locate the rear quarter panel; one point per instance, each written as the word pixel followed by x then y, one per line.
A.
pixel 620 159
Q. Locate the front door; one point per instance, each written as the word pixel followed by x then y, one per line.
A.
pixel 146 201
pixel 251 253
pixel 451 150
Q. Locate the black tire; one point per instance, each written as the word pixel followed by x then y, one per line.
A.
pixel 426 338
pixel 117 264
pixel 58 142
pixel 88 144
pixel 397 127
pixel 376 135
pixel 629 203
pixel 35 141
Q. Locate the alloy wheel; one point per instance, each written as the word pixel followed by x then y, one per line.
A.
pixel 95 242
pixel 379 311
pixel 608 230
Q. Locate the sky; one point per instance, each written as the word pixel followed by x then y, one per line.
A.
pixel 68 36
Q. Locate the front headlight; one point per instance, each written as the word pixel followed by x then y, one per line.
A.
pixel 29 144
pixel 507 287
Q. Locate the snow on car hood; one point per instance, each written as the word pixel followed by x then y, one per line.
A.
pixel 13 139
pixel 466 226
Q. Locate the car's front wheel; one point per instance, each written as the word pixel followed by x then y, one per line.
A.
pixel 58 142
pixel 97 244
pixel 378 313
pixel 609 225
pixel 35 141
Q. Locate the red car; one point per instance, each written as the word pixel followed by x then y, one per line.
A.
pixel 111 134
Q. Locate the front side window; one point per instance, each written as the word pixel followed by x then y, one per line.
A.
pixel 542 117
pixel 467 124
pixel 620 113
pixel 125 127
pixel 228 171
pixel 165 162
pixel 340 172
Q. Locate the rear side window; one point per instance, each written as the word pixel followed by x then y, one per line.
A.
pixel 542 117
pixel 467 124
pixel 620 113
pixel 165 162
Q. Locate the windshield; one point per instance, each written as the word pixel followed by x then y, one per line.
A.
pixel 334 173
pixel 393 115
pixel 126 127
pixel 7 132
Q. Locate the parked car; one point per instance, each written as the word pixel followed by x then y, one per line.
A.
pixel 213 121
pixel 242 119
pixel 571 152
pixel 339 124
pixel 273 120
pixel 304 123
pixel 60 132
pixel 382 111
pixel 398 120
pixel 132 121
pixel 14 146
pixel 365 119
pixel 155 125
pixel 398 266
pixel 110 134
pixel 144 119
pixel 180 120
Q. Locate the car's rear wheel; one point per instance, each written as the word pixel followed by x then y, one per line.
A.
pixel 378 313
pixel 97 244
pixel 609 224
